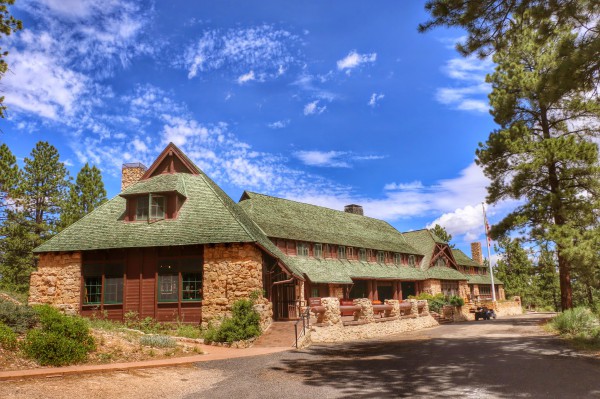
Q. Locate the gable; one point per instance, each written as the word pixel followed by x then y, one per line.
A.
pixel 171 160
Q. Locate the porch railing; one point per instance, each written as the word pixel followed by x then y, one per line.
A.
pixel 300 330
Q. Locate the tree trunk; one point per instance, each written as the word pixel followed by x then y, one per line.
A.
pixel 566 291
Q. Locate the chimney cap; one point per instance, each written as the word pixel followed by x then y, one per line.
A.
pixel 354 208
pixel 134 165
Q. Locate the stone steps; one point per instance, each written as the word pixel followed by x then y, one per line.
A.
pixel 439 318
pixel 279 334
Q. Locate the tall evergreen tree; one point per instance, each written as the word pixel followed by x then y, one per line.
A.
pixel 43 189
pixel 16 244
pixel 543 154
pixel 9 178
pixel 84 196
pixel 8 25
pixel 546 281
pixel 515 270
pixel 442 233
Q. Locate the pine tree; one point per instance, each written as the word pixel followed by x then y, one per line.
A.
pixel 546 281
pixel 543 154
pixel 84 196
pixel 442 233
pixel 16 245
pixel 8 25
pixel 515 270
pixel 9 178
pixel 42 191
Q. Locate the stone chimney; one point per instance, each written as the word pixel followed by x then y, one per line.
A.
pixel 353 208
pixel 130 173
pixel 476 253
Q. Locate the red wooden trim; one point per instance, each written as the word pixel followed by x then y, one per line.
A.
pixel 170 150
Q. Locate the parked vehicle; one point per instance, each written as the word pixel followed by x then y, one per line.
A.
pixel 484 313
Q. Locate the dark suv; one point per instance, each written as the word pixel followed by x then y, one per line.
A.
pixel 484 313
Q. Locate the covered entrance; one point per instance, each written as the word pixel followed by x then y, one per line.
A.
pixel 408 289
pixel 285 305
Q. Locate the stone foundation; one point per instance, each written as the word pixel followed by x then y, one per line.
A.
pixel 57 281
pixel 232 272
pixel 339 333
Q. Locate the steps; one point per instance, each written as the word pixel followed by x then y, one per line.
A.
pixel 439 318
pixel 279 334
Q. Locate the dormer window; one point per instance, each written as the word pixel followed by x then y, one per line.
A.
pixel 302 249
pixel 412 261
pixel 397 259
pixel 157 207
pixel 380 257
pixel 141 209
pixel 318 250
pixel 362 254
pixel 341 252
pixel 441 262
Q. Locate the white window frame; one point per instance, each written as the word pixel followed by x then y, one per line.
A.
pixel 362 254
pixel 397 259
pixel 380 257
pixel 412 260
pixel 318 250
pixel 157 211
pixel 341 252
pixel 302 249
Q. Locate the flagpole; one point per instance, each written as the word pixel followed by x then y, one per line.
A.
pixel 487 241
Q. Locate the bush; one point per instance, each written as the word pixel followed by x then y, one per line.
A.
pixel 53 349
pixel 456 301
pixel 576 322
pixel 8 338
pixel 243 324
pixel 158 341
pixel 60 340
pixel 18 317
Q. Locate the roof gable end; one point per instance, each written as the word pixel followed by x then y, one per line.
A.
pixel 171 160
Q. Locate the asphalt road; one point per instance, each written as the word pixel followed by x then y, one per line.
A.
pixel 504 358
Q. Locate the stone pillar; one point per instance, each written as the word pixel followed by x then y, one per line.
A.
pixel 231 272
pixel 463 290
pixel 332 314
pixel 370 289
pixel 375 292
pixel 395 308
pixel 57 281
pixel 414 307
pixel 501 293
pixel 265 310
pixel 366 310
pixel 432 286
pixel 426 308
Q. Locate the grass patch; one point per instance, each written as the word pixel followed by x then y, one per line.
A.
pixel 158 341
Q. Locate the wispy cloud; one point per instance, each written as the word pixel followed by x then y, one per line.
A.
pixel 279 124
pixel 313 108
pixel 266 51
pixel 470 90
pixel 247 77
pixel 354 60
pixel 375 98
pixel 332 159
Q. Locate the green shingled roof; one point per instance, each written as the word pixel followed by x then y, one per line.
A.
pixel 293 220
pixel 463 260
pixel 343 271
pixel 445 273
pixel 424 241
pixel 158 184
pixel 482 279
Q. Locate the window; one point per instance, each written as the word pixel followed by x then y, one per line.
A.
pixel 380 257
pixel 412 261
pixel 362 254
pixel 349 252
pixel 103 284
pixel 441 262
pixel 327 252
pixel 302 249
pixel 318 250
pixel 157 207
pixel 314 292
pixel 397 259
pixel 175 276
pixel 369 255
pixel 449 288
pixel 141 208
pixel 341 252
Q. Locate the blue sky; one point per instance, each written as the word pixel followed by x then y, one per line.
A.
pixel 320 101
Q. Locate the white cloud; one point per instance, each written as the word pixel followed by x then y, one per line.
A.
pixel 374 98
pixel 313 108
pixel 323 158
pixel 354 59
pixel 266 51
pixel 470 90
pixel 415 185
pixel 279 124
pixel 245 78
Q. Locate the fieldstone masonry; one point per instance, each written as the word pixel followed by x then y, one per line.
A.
pixel 231 272
pixel 57 281
pixel 366 312
pixel 332 315
pixel 131 173
pixel 395 312
pixel 432 286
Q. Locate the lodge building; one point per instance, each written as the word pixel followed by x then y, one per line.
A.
pixel 173 246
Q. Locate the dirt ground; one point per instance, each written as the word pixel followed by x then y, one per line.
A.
pixel 147 384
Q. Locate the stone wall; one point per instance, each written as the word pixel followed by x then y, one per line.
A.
pixel 341 333
pixel 57 281
pixel 463 290
pixel 432 286
pixel 231 272
pixel 336 290
pixel 508 308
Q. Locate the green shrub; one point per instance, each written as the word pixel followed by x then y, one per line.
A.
pixel 8 338
pixel 576 322
pixel 158 341
pixel 53 349
pixel 18 317
pixel 243 324
pixel 456 301
pixel 72 327
pixel 187 331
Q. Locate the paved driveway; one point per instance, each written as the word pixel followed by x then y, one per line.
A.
pixel 502 358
